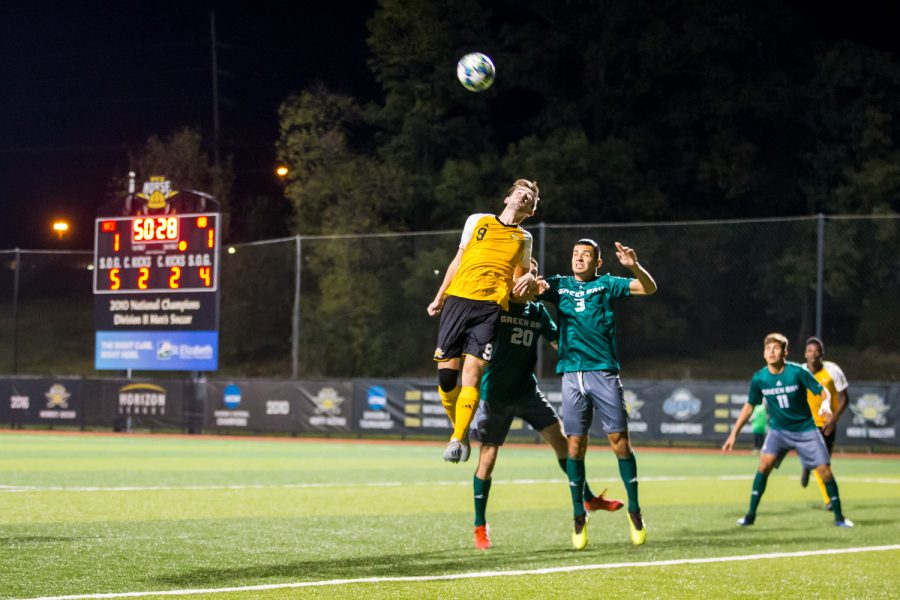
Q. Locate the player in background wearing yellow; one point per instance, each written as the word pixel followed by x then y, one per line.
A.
pixel 832 378
pixel 493 261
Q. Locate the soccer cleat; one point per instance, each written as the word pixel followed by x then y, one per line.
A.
pixel 579 536
pixel 466 449
pixel 483 537
pixel 453 451
pixel 747 520
pixel 828 506
pixel 804 478
pixel 846 523
pixel 638 528
pixel 598 502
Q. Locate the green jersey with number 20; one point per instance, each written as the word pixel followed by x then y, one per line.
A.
pixel 587 323
pixel 509 377
pixel 785 395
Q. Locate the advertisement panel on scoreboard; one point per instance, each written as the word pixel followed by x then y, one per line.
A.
pixel 156 292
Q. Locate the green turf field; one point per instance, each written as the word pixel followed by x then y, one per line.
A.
pixel 89 515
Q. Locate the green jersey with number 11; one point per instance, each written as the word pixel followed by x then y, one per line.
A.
pixel 785 395
pixel 587 323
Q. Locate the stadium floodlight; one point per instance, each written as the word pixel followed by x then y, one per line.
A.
pixel 60 227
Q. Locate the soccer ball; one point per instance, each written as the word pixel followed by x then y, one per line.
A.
pixel 475 71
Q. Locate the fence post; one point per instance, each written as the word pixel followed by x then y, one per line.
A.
pixel 820 270
pixel 295 318
pixel 15 311
pixel 539 367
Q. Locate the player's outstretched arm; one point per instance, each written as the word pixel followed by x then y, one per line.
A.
pixel 523 283
pixel 825 407
pixel 742 419
pixel 643 283
pixel 438 302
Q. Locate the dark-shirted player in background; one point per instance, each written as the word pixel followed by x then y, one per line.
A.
pixel 833 379
pixel 784 386
pixel 508 390
pixel 589 365
pixel 492 262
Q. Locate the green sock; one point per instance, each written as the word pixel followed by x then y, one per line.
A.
pixel 628 472
pixel 759 486
pixel 482 488
pixel 835 498
pixel 588 494
pixel 575 472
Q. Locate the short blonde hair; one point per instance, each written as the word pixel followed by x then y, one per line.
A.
pixel 525 183
pixel 776 337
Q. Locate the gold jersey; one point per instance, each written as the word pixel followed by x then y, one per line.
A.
pixel 831 377
pixel 491 253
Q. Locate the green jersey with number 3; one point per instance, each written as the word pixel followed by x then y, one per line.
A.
pixel 509 377
pixel 587 323
pixel 785 395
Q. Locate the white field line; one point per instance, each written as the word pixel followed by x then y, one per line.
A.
pixel 5 489
pixel 479 574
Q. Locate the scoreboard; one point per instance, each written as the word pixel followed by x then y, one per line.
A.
pixel 156 291
pixel 171 253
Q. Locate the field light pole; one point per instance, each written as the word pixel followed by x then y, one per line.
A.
pixel 15 309
pixel 820 270
pixel 295 320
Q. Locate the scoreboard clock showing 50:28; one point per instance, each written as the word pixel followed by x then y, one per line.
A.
pixel 162 253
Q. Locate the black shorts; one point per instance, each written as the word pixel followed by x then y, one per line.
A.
pixel 467 327
pixel 492 421
pixel 829 439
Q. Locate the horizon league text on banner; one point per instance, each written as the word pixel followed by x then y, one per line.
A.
pixel 156 403
pixel 44 401
pixel 253 405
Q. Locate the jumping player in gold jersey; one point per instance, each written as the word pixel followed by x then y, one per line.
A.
pixel 491 263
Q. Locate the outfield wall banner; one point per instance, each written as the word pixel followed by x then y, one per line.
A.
pixel 422 410
pixel 326 407
pixel 658 411
pixel 41 401
pixel 380 406
pixel 253 405
pixel 144 403
pixel 872 416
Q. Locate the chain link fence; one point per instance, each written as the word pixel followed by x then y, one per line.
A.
pixel 354 306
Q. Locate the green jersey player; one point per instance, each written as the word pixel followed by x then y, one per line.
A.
pixel 784 385
pixel 589 364
pixel 508 390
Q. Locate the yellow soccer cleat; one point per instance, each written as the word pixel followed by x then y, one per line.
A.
pixel 638 528
pixel 579 536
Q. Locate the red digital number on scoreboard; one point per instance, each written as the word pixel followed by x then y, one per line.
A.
pixel 154 229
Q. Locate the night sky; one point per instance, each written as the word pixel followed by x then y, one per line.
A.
pixel 83 86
